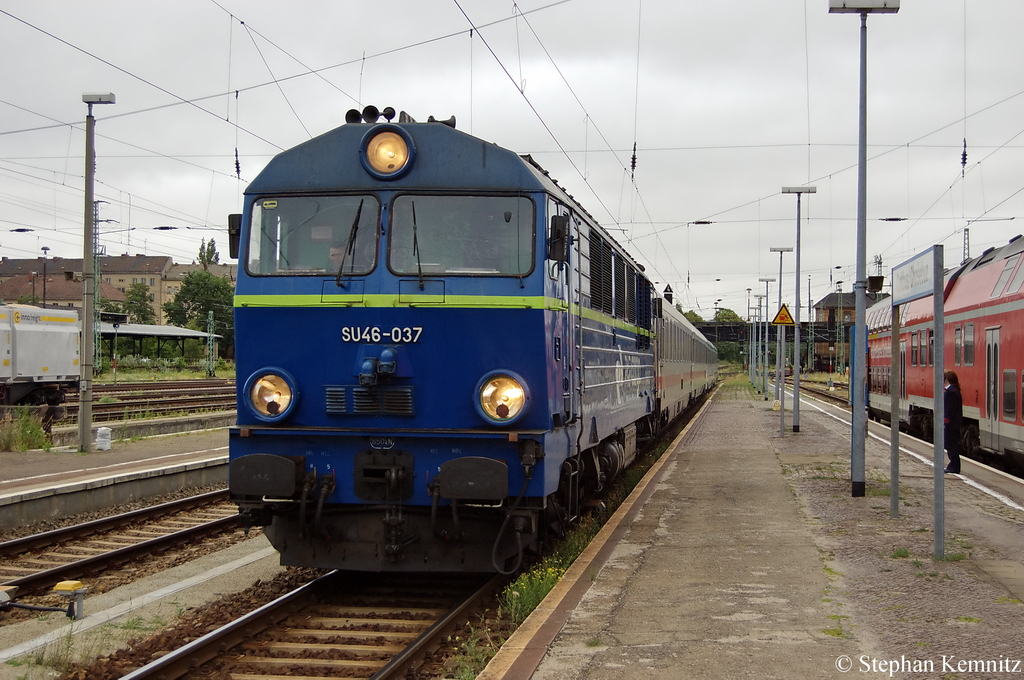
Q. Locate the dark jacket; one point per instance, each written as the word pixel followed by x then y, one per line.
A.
pixel 953 405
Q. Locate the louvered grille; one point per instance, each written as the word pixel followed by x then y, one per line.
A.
pixel 365 400
pixel 336 399
pixel 398 400
pixel 369 400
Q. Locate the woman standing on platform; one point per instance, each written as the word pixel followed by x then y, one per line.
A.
pixel 953 405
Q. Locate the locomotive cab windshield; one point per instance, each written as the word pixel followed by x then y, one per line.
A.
pixel 490 235
pixel 314 235
pixel 429 234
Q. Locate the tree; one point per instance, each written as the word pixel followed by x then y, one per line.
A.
pixel 693 317
pixel 726 315
pixel 138 304
pixel 208 254
pixel 200 293
pixel 729 352
pixel 108 305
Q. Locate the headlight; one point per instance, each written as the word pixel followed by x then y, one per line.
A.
pixel 501 398
pixel 270 394
pixel 387 152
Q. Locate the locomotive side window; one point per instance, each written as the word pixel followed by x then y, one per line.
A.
pixel 969 344
pixel 1010 395
pixel 313 236
pixel 958 343
pixel 462 235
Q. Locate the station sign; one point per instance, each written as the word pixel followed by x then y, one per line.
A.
pixel 914 278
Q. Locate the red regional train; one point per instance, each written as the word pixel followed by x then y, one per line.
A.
pixel 984 344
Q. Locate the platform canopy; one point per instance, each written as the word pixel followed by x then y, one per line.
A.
pixel 139 331
pixel 151 331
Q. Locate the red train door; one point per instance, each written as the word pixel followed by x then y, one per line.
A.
pixel 990 424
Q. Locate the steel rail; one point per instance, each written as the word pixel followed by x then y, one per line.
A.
pixel 37 583
pixel 45 539
pixel 415 652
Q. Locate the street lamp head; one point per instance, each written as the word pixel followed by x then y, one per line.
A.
pixel 767 279
pixel 105 98
pixel 799 190
pixel 780 250
pixel 863 6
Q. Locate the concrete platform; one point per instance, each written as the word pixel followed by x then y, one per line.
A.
pixel 41 485
pixel 746 557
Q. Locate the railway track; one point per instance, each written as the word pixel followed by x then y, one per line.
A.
pixel 154 399
pixel 360 626
pixel 839 396
pixel 35 563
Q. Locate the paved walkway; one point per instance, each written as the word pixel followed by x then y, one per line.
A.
pixel 718 577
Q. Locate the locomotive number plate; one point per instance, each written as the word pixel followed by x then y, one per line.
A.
pixel 378 334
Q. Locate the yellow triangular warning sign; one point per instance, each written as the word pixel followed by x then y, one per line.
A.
pixel 783 318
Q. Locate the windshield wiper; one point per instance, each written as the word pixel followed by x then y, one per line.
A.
pixel 416 247
pixel 350 246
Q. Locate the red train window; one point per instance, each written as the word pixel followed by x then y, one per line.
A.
pixel 1010 395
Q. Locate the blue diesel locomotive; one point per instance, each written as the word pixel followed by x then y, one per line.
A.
pixel 440 354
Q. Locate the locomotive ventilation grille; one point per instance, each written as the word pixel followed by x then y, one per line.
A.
pixel 360 400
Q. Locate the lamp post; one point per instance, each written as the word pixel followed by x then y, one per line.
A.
pixel 857 377
pixel 764 366
pixel 796 306
pixel 841 335
pixel 750 338
pixel 810 318
pixel 46 250
pixel 88 274
pixel 756 354
pixel 780 333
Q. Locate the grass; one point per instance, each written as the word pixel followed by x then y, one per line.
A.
pixel 21 429
pixel 899 553
pixel 148 374
pixel 475 651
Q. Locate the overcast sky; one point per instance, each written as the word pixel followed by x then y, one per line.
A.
pixel 726 102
